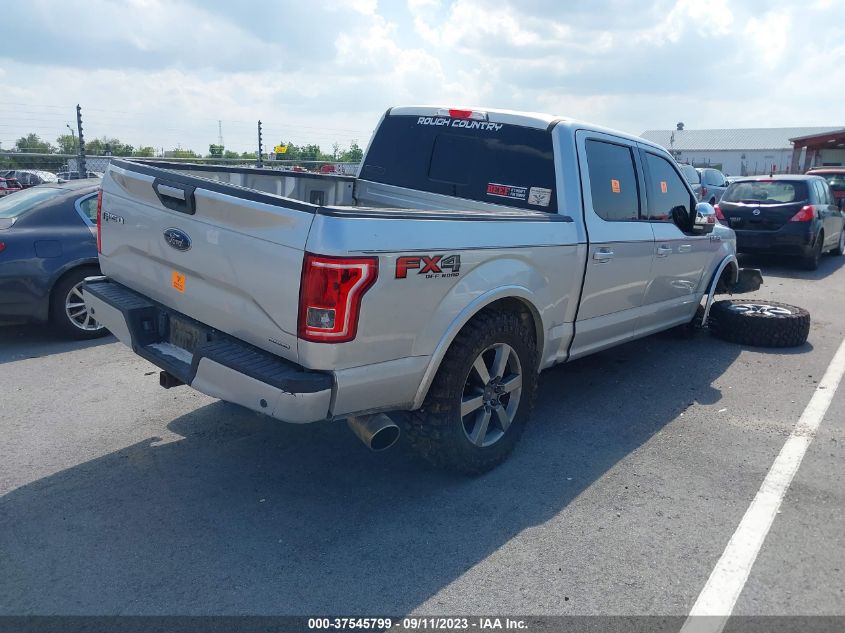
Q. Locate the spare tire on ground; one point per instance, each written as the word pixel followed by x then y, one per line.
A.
pixel 759 323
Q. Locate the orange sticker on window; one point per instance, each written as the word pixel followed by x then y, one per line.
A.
pixel 615 186
pixel 177 280
pixel 664 187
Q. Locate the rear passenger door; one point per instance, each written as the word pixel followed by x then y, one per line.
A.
pixel 680 259
pixel 620 244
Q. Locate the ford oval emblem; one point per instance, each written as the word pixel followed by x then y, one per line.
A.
pixel 178 239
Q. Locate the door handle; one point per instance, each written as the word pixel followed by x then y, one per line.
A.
pixel 175 196
pixel 663 251
pixel 603 255
pixel 685 248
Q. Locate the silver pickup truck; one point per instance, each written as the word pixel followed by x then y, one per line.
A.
pixel 474 249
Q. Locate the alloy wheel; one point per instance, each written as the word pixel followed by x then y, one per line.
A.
pixel 491 395
pixel 76 311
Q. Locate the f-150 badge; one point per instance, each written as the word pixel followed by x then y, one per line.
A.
pixel 429 265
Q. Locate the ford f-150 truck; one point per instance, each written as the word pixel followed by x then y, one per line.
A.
pixel 474 249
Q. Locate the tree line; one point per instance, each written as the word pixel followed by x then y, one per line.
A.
pixel 110 146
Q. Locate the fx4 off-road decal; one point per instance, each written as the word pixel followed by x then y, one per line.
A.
pixel 432 266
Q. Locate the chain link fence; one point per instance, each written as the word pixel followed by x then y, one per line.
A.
pixel 69 163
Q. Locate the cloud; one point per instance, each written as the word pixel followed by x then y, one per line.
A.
pixel 163 72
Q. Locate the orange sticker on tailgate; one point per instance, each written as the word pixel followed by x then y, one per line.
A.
pixel 177 280
pixel 615 185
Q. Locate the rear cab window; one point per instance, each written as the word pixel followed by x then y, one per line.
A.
pixel 613 181
pixel 489 162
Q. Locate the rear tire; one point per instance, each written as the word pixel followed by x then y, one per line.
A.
pixel 490 375
pixel 67 311
pixel 759 323
pixel 812 262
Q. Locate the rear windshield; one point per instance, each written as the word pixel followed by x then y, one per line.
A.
pixel 13 205
pixel 691 174
pixel 488 162
pixel 836 181
pixel 767 191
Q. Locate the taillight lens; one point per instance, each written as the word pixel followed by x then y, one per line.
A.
pixel 719 215
pixel 2 246
pixel 806 214
pixel 703 191
pixel 99 221
pixel 330 296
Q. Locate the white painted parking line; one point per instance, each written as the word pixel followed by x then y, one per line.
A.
pixel 716 601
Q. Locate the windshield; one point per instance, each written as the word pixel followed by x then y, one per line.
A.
pixel 836 181
pixel 691 174
pixel 13 206
pixel 766 192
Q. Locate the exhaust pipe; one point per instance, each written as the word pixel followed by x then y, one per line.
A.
pixel 378 431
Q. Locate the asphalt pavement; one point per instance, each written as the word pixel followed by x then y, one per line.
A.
pixel 119 497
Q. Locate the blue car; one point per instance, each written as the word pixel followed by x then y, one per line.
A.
pixel 48 246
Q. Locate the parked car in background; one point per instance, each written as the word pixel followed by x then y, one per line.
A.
pixel 48 246
pixel 835 177
pixel 693 178
pixel 9 185
pixel 74 175
pixel 30 177
pixel 713 184
pixel 788 215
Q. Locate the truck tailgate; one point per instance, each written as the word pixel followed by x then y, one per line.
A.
pixel 226 256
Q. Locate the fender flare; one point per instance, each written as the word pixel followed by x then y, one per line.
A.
pixel 714 281
pixel 464 316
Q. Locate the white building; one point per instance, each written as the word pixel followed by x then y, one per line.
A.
pixel 748 152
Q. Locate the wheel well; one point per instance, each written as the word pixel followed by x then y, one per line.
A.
pixel 727 278
pixel 526 312
pixel 64 275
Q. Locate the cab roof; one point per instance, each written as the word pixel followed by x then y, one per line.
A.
pixel 537 120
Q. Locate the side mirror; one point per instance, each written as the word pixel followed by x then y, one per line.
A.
pixel 704 220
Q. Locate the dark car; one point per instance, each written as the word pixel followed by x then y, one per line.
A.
pixel 835 177
pixel 48 246
pixel 788 215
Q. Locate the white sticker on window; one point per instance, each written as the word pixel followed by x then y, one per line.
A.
pixel 539 196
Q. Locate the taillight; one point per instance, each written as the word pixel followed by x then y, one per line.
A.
pixel 719 215
pixel 806 214
pixel 99 221
pixel 456 113
pixel 2 246
pixel 703 192
pixel 330 296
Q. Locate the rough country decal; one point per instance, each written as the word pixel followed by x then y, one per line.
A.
pixel 470 125
pixel 429 265
pixel 506 191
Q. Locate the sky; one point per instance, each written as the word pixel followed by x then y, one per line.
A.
pixel 164 72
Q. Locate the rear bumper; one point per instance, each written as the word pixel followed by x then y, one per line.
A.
pixel 219 365
pixel 795 238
